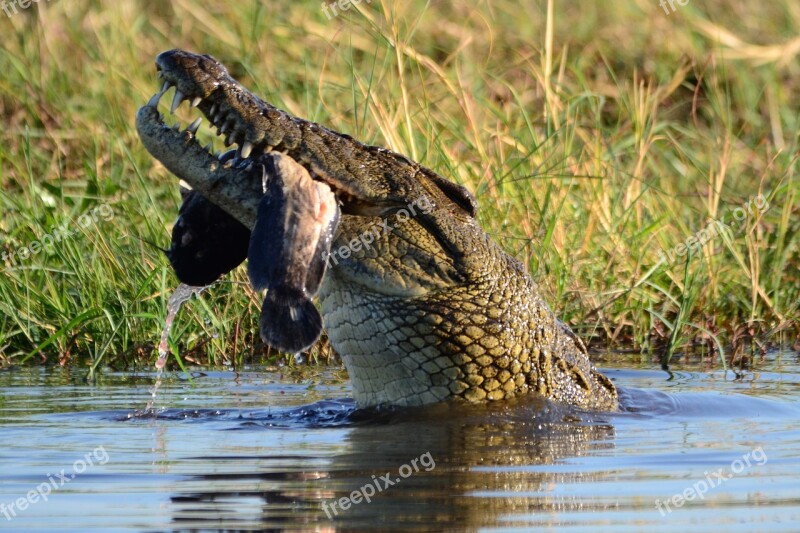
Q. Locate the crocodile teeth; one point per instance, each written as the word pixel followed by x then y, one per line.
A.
pixel 208 148
pixel 196 101
pixel 247 147
pixel 212 111
pixel 194 125
pixel 223 129
pixel 176 101
pixel 153 102
pixel 176 127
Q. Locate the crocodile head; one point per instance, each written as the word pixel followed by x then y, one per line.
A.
pixel 419 302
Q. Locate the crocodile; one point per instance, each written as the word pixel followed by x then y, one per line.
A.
pixel 419 302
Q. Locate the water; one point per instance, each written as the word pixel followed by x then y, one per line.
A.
pixel 267 450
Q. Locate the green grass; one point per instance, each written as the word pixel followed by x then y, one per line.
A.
pixel 596 137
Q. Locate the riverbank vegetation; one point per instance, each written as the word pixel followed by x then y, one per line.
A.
pixel 641 160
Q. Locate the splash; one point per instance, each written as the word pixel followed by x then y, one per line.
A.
pixel 182 293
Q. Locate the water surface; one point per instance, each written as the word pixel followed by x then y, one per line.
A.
pixel 271 450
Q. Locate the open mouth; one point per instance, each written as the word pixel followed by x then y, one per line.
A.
pixel 242 156
pixel 232 177
pixel 239 118
pixel 242 120
pixel 366 180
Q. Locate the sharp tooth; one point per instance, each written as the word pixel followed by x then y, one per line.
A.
pixel 196 101
pixel 208 148
pixel 153 102
pixel 212 111
pixel 176 127
pixel 194 125
pixel 247 147
pixel 228 141
pixel 224 129
pixel 176 101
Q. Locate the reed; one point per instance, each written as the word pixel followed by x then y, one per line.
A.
pixel 600 140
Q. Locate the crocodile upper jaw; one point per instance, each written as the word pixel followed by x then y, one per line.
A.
pixel 256 128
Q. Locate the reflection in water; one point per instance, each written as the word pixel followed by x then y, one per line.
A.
pixel 256 451
pixel 486 464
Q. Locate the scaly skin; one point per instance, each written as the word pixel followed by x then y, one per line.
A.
pixel 429 310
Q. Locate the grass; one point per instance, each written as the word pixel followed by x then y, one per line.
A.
pixel 597 138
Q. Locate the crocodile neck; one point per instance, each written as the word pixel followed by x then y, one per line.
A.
pixel 414 327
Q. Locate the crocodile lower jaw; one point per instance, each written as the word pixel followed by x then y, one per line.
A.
pixel 179 151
